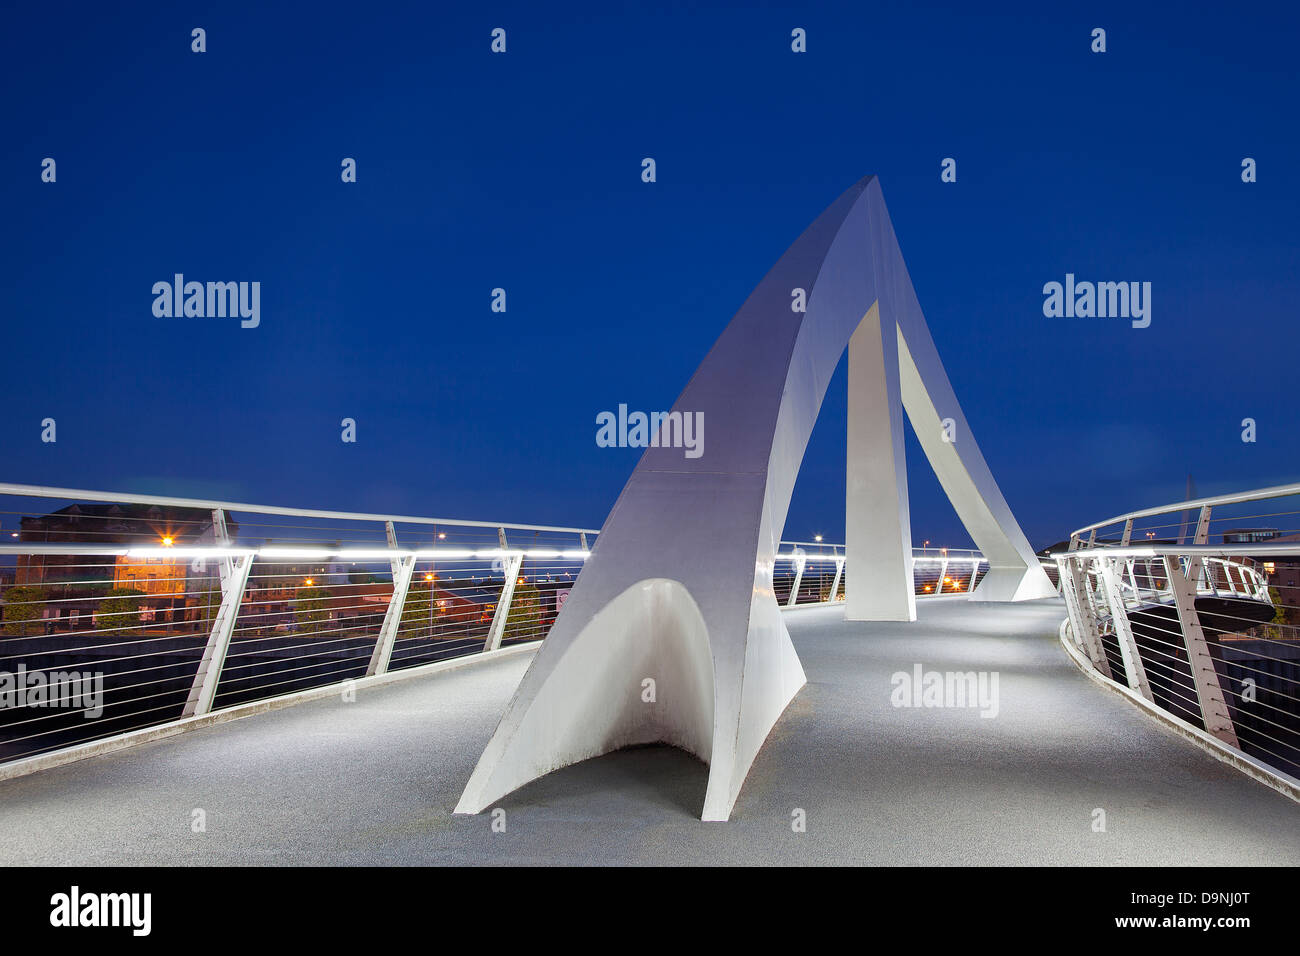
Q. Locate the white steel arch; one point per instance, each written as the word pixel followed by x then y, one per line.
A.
pixel 678 589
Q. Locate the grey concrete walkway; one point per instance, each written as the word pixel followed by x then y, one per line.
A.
pixel 375 781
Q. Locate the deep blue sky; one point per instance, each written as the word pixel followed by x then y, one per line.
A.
pixel 523 171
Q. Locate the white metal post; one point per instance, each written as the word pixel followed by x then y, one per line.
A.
pixel 1134 669
pixel 513 564
pixel 839 574
pixel 1214 709
pixel 403 572
pixel 1083 621
pixel 800 561
pixel 234 579
pixel 1203 526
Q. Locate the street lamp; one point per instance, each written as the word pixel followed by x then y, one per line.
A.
pixel 429 577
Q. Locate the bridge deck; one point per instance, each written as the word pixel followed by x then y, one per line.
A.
pixel 375 781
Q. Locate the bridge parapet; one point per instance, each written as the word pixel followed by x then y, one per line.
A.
pixel 122 614
pixel 1194 608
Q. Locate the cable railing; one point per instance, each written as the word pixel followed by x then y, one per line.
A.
pixel 1194 607
pixel 120 613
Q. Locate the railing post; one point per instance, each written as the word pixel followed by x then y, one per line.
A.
pixel 1134 669
pixel 1203 526
pixel 1214 709
pixel 1083 621
pixel 800 561
pixel 403 572
pixel 839 573
pixel 234 579
pixel 943 573
pixel 513 564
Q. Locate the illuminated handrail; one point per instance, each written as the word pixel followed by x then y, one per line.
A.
pixel 239 610
pixel 1196 632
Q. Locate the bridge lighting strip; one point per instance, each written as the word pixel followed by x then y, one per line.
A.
pixel 199 552
pixel 283 553
pixel 961 559
pixel 1262 550
pixel 446 554
pixel 279 552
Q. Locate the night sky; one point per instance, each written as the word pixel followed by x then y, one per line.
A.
pixel 522 171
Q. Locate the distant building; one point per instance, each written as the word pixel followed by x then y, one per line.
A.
pixel 1250 535
pixel 74 584
pixel 1282 570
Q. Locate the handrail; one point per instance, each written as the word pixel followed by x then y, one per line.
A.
pixel 75 494
pixel 1258 494
pixel 1207 633
pixel 173 630
pixel 1204 550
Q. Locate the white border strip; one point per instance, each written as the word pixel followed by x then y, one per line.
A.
pixel 132 738
pixel 1252 767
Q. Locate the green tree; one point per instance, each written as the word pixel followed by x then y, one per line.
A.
pixel 1279 608
pixel 207 604
pixel 120 609
pixel 421 613
pixel 22 607
pixel 525 619
pixel 1275 629
pixel 311 610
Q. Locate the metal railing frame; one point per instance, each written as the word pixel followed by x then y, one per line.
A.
pixel 1100 583
pixel 235 563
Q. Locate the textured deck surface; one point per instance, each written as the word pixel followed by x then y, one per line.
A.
pixel 375 781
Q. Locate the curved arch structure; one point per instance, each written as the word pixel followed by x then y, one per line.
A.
pixel 678 588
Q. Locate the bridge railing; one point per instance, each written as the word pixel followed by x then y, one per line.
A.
pixel 1195 608
pixel 810 573
pixel 120 613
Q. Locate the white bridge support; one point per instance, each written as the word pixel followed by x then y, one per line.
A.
pixel 1209 694
pixel 234 571
pixel 403 570
pixel 672 632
